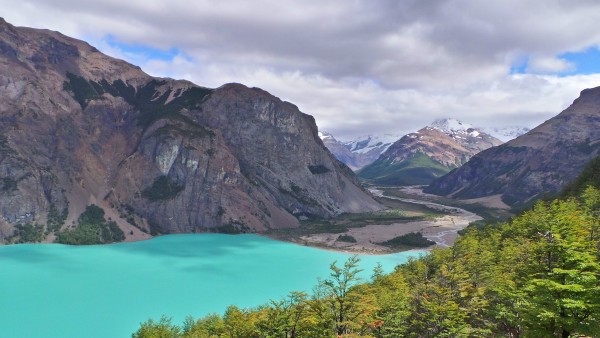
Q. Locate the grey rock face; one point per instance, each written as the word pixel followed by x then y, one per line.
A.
pixel 78 127
pixel 539 162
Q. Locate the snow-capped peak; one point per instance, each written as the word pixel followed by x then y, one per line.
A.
pixel 449 125
pixel 506 133
pixel 366 143
pixel 325 135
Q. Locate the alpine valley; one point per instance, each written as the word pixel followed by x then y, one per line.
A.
pixel 94 151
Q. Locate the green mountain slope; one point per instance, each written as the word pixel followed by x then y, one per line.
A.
pixel 418 169
pixel 423 156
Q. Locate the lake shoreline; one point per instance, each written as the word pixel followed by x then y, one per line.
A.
pixel 443 230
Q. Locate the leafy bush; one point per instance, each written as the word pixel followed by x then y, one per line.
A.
pixel 414 239
pixel 318 169
pixel 55 219
pixel 7 184
pixel 92 228
pixel 162 189
pixel 346 238
pixel 29 233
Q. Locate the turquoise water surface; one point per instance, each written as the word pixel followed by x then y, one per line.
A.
pixel 52 290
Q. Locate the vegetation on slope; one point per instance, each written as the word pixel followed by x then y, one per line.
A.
pixel 419 169
pixel 537 275
pixel 148 99
pixel 92 228
pixel 398 213
pixel 411 239
pixel 590 176
pixel 163 188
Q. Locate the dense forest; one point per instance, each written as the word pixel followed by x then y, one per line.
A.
pixel 537 275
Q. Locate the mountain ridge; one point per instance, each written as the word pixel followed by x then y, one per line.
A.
pixel 420 157
pixel 158 155
pixel 542 161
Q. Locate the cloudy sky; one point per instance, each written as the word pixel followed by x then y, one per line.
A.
pixel 359 67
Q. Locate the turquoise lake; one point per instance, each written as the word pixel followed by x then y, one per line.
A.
pixel 51 290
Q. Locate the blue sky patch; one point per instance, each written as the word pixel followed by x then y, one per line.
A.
pixel 520 66
pixel 585 62
pixel 141 51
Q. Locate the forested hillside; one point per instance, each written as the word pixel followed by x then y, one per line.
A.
pixel 537 275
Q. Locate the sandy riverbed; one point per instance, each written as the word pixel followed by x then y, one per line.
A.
pixel 443 230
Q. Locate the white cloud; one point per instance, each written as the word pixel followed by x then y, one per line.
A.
pixel 357 66
pixel 549 65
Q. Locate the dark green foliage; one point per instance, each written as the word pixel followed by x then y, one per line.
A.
pixel 586 147
pixel 318 169
pixel 232 227
pixel 155 229
pixel 7 184
pixel 28 233
pixel 83 90
pixel 147 99
pixel 56 219
pixel 163 188
pixel 92 228
pixel 153 106
pixel 413 239
pixel 300 194
pixel 346 238
pixel 590 176
pixel 419 169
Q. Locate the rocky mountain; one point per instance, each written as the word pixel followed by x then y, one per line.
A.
pixel 157 155
pixel 339 150
pixel 506 133
pixel 540 162
pixel 359 152
pixel 420 157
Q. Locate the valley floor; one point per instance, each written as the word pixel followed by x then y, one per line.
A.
pixel 420 212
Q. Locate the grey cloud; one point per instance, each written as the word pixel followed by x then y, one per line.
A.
pixel 358 66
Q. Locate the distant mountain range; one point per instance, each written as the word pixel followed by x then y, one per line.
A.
pixel 506 133
pixel 420 157
pixel 155 155
pixel 358 152
pixel 364 150
pixel 540 162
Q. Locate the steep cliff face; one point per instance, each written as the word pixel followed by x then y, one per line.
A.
pixel 422 156
pixel 78 127
pixel 539 162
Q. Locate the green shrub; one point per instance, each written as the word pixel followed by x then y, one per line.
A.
pixel 92 228
pixel 318 169
pixel 414 239
pixel 29 233
pixel 163 188
pixel 346 238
